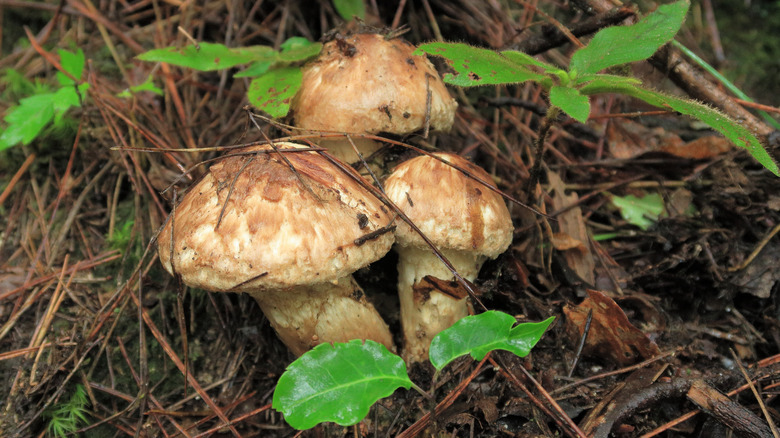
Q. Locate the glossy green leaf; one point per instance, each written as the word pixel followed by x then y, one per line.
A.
pixel 642 212
pixel 338 383
pixel 476 66
pixel 209 56
pixel 623 44
pixel 571 102
pixel 479 334
pixel 273 91
pixel 738 134
pixel 73 63
pixel 298 49
pixel 350 8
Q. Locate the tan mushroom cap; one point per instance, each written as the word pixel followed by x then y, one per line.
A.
pixel 450 208
pixel 365 83
pixel 275 232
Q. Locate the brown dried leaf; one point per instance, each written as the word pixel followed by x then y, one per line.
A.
pixel 704 147
pixel 572 236
pixel 628 139
pixel 611 335
pixel 429 283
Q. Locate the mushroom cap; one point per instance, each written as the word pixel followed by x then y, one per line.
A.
pixel 365 83
pixel 275 231
pixel 454 211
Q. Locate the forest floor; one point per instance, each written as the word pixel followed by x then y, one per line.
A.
pixel 683 306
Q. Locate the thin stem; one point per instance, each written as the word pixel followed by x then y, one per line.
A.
pixel 549 119
pixel 723 80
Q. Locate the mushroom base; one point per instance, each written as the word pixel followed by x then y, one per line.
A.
pixel 424 315
pixel 306 316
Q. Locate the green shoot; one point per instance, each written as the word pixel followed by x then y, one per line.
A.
pixel 26 121
pixel 66 418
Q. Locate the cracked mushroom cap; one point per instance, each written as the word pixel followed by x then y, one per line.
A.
pixel 275 231
pixel 365 83
pixel 453 210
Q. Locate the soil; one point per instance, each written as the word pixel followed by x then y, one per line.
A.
pixel 661 322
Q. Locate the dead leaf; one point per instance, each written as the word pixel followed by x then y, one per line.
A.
pixel 628 139
pixel 611 335
pixel 701 148
pixel 451 288
pixel 572 236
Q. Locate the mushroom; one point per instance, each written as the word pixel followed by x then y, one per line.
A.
pixel 467 223
pixel 289 239
pixel 367 83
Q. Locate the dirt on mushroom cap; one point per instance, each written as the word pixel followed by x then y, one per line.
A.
pixel 274 230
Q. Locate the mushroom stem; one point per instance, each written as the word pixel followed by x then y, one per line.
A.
pixel 342 149
pixel 424 314
pixel 304 316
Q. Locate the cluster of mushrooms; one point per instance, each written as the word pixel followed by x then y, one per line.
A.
pixel 289 224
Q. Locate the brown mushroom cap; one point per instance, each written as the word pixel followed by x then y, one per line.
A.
pixel 365 83
pixel 450 208
pixel 274 232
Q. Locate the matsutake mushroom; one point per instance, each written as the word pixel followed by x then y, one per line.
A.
pixel 291 239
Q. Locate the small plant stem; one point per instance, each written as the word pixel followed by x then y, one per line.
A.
pixel 549 119
pixel 422 392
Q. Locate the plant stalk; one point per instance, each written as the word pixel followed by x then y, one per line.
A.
pixel 544 130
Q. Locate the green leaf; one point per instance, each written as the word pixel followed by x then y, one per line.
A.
pixel 64 98
pixel 256 69
pixel 479 334
pixel 350 8
pixel 642 212
pixel 571 102
pixel 298 49
pixel 210 57
pixel 273 91
pixel 73 63
pixel 606 80
pixel 27 120
pixel 738 134
pixel 475 66
pixel 338 383
pixel 623 44
pixel 521 58
pixel 147 85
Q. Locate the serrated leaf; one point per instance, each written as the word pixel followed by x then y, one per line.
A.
pixel 73 63
pixel 298 49
pixel 27 120
pixel 273 91
pixel 338 383
pixel 479 334
pixel 642 212
pixel 738 134
pixel 350 8
pixel 476 66
pixel 623 44
pixel 571 102
pixel 209 57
